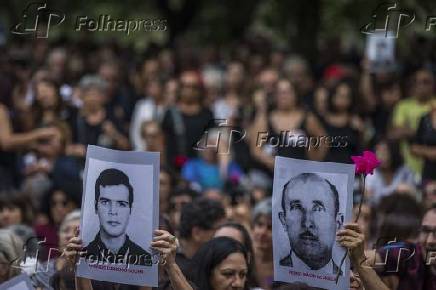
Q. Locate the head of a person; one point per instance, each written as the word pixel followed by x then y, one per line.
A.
pixel 389 153
pixel 268 79
pixel 153 89
pixel 342 98
pixel 109 71
pixel 190 87
pixel 56 61
pixel 286 97
pixel 68 228
pixel 262 225
pixel 221 264
pixel 390 93
pixel 234 75
pixel 178 199
pixel 153 136
pixel 15 209
pixel 427 235
pixel 200 219
pixel 113 201
pixel 47 96
pixel 310 216
pixel 430 193
pixel 60 203
pixel 166 185
pixel 94 91
pixel 297 70
pixel 398 218
pixel 238 232
pixel 423 84
pixel 10 255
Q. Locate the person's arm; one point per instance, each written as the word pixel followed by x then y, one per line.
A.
pixel 258 129
pixel 9 141
pixel 83 283
pixel 419 148
pixel 352 238
pixel 71 255
pixel 315 129
pixel 366 89
pixel 121 142
pixel 400 127
pixel 424 151
pixel 166 244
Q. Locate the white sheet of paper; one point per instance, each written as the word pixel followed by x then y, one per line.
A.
pixel 380 51
pixel 310 221
pixel 20 282
pixel 142 170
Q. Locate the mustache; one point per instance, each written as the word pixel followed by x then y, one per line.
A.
pixel 308 235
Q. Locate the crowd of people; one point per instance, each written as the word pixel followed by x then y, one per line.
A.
pixel 218 116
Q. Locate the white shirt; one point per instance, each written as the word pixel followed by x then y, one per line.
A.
pixel 297 263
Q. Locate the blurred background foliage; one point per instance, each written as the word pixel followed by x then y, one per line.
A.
pixel 302 26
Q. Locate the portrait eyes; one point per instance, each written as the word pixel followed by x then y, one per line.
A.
pixel 295 206
pixel 106 202
pixel 317 206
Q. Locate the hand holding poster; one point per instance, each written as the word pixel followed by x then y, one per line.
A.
pixel 311 201
pixel 119 213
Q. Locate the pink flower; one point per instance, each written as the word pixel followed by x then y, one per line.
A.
pixel 366 163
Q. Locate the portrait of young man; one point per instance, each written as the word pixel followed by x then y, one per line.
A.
pixel 310 217
pixel 114 198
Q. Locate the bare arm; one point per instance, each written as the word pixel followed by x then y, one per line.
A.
pixel 9 141
pixel 316 130
pixel 83 283
pixel 352 238
pixel 427 152
pixel 166 244
pixel 259 131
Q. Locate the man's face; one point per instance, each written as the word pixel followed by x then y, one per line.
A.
pixel 310 221
pixel 113 209
pixel 428 235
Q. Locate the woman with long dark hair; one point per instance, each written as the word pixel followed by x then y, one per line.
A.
pixel 221 263
pixel 241 234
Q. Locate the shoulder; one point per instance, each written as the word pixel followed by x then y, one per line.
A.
pixel 286 261
pixel 136 249
pixel 92 247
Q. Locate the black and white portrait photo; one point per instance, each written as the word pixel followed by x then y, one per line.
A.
pixel 311 202
pixel 114 199
pixel 119 213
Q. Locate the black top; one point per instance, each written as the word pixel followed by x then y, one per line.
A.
pixel 129 253
pixel 193 126
pixel 291 141
pixel 426 135
pixel 344 143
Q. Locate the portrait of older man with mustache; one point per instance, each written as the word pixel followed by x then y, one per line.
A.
pixel 310 216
